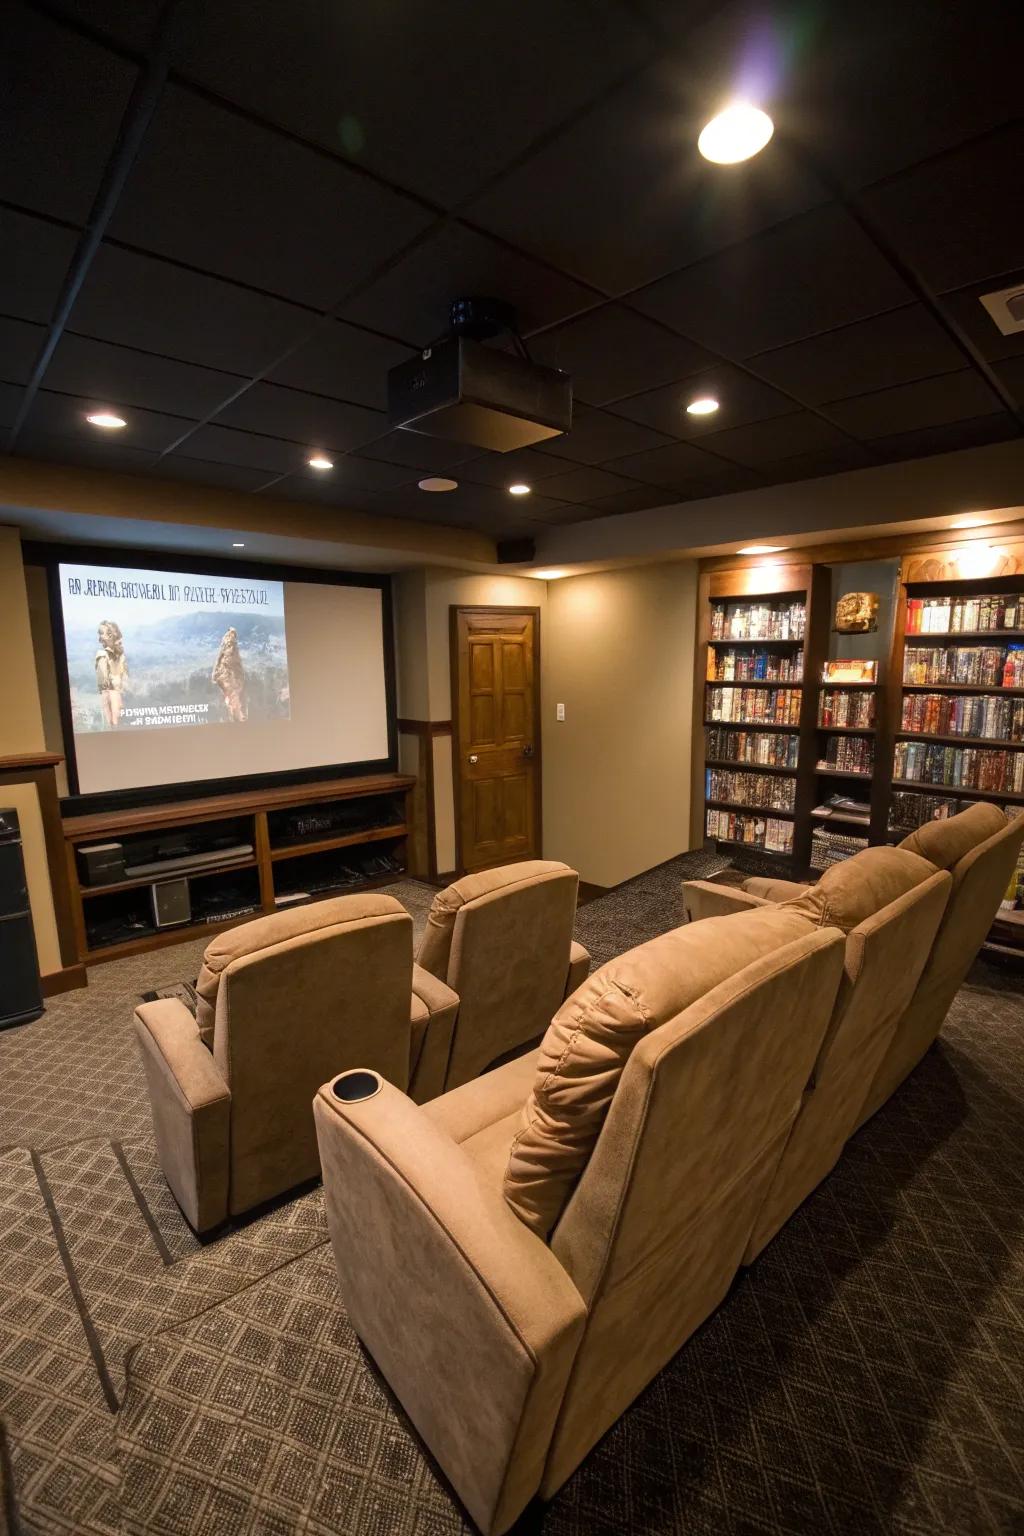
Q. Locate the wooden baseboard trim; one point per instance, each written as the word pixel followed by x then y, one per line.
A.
pixel 68 979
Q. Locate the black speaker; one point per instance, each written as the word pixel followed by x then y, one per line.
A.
pixel 516 551
pixel 21 998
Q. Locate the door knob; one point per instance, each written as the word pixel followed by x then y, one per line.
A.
pixel 528 749
pixel 473 757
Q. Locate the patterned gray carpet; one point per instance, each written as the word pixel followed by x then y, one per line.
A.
pixel 867 1375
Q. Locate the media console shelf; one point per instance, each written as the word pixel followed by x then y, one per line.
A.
pixel 243 855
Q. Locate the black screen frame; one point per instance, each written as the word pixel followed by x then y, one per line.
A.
pixel 51 556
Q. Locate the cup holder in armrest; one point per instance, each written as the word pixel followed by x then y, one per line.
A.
pixel 352 1087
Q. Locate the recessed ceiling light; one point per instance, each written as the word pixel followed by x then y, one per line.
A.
pixel 107 420
pixel 438 483
pixel 320 461
pixel 761 549
pixel 238 546
pixel 735 134
pixel 519 489
pixel 706 405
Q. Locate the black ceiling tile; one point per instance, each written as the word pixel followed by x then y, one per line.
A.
pixel 54 447
pixel 586 483
pixel 956 220
pixel 611 352
pixel 125 376
pixel 250 450
pixel 34 259
pixel 676 465
pixel 814 465
pixel 352 483
pixel 598 435
pixel 949 438
pixel 623 196
pixel 437 108
pixel 429 455
pixel 522 464
pixel 64 416
pixel 10 403
pixel 413 298
pixel 19 347
pixel 351 472
pixel 908 407
pixel 159 307
pixel 762 442
pixel 631 501
pixel 64 98
pixel 129 23
pixel 344 362
pixel 965 309
pixel 741 398
pixel 1011 375
pixel 890 349
pixel 808 275
pixel 569 513
pixel 235 477
pixel 219 192
pixel 310 420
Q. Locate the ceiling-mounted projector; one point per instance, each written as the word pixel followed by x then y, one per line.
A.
pixel 464 391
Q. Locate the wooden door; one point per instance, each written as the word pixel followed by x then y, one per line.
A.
pixel 497 735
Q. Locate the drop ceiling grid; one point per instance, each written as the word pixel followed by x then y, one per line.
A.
pixel 783 305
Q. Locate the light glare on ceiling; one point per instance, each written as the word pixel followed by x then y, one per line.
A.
pixel 735 134
pixel 761 549
pixel 519 489
pixel 107 420
pixel 705 405
pixel 547 575
pixel 320 461
pixel 969 522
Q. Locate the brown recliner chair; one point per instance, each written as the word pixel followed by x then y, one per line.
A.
pixel 522 1255
pixel 293 996
pixel 889 903
pixel 502 940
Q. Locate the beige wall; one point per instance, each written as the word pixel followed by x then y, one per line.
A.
pixel 618 653
pixel 21 732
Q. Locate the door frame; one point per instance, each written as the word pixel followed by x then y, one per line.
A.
pixel 454 609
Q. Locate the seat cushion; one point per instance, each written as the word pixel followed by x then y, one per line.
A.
pixel 436 944
pixel 849 893
pixel 291 923
pixel 590 1038
pixel 945 842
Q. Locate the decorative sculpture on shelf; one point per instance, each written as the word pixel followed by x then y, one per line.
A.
pixel 857 613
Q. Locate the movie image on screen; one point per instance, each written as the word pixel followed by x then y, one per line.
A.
pixel 148 650
pixel 178 677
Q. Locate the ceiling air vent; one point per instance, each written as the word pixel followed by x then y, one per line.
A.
pixel 1007 308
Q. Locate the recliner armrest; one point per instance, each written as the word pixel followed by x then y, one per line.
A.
pixel 703 898
pixel 470 1317
pixel 579 968
pixel 191 1105
pixel 433 1013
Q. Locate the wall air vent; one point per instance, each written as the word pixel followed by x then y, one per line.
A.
pixel 1007 308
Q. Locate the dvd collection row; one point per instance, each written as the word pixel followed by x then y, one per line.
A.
pixel 964 714
pixel 761 791
pixel 909 810
pixel 850 710
pixel 754 706
pixel 758 620
pixel 953 615
pixel 960 767
pixel 771 749
pixel 989 666
pixel 754 666
pixel 755 831
pixel 849 754
pixel 829 847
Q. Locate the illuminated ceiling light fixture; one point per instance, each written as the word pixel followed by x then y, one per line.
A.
pixel 547 575
pixel 107 420
pixel 519 489
pixel 706 405
pixel 238 546
pixel 735 134
pixel 437 483
pixel 320 461
pixel 761 549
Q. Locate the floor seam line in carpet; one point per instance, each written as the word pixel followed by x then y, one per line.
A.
pixel 88 1327
pixel 143 1205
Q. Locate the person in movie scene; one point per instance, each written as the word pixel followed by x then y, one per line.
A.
pixel 111 673
pixel 229 676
